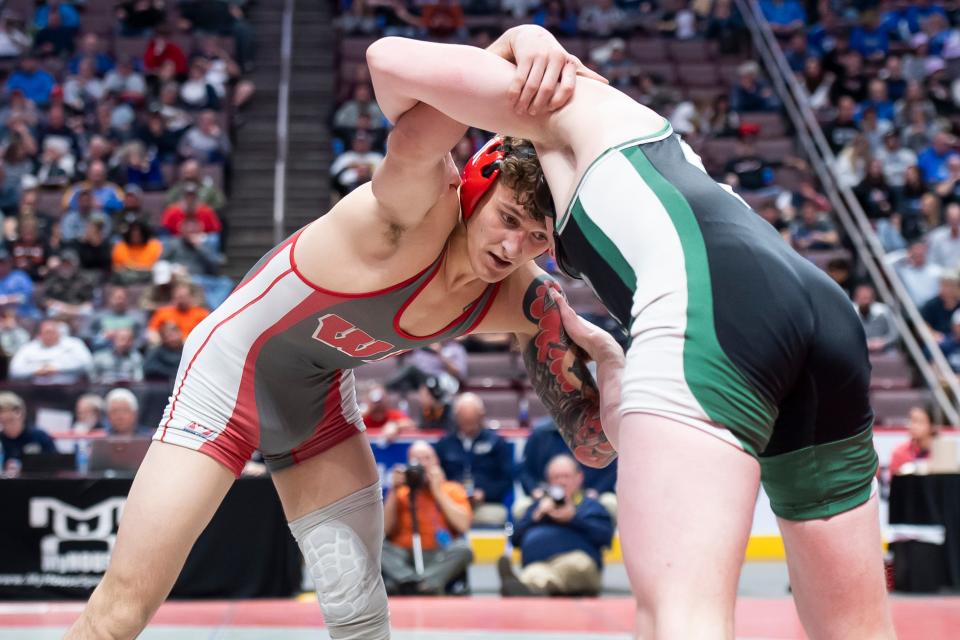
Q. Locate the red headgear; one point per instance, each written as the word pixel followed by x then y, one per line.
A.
pixel 479 174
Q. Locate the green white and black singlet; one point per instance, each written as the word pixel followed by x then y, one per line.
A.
pixel 731 330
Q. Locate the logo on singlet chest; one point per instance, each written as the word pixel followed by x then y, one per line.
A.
pixel 347 338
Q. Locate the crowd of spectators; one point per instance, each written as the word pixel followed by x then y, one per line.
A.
pixel 115 143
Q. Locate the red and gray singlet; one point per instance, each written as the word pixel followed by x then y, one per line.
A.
pixel 271 368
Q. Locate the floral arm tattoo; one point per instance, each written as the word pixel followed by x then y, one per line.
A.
pixel 558 372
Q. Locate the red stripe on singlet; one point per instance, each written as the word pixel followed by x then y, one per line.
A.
pixel 366 294
pixel 274 253
pixel 463 316
pixel 186 373
pixel 332 429
pixel 244 415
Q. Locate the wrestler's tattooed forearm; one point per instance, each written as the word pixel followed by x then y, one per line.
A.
pixel 558 372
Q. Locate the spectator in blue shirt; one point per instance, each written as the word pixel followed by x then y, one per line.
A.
pixel 546 443
pixel 16 438
pixel 785 16
pixel 561 539
pixel 55 39
pixel 870 38
pixel 68 14
pixel 35 83
pixel 933 160
pixel 751 93
pixel 16 287
pixel 90 48
pixel 879 101
pixel 479 459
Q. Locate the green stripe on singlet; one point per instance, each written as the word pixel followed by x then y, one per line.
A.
pixel 723 391
pixel 665 130
pixel 604 247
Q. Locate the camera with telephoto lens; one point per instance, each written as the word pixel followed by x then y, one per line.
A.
pixel 557 494
pixel 414 475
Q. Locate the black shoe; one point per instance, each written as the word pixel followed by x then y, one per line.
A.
pixel 510 585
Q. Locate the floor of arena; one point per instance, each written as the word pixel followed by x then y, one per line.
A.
pixel 477 618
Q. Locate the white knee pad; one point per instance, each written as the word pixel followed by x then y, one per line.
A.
pixel 341 544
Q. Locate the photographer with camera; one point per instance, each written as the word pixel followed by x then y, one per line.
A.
pixel 561 539
pixel 425 517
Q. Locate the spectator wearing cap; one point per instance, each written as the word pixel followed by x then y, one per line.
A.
pixel 192 251
pixel 136 253
pixel 747 170
pixel 933 159
pixel 614 64
pixel 83 209
pixel 132 207
pixel 68 291
pixel 55 39
pixel 183 311
pixel 751 93
pixel 208 192
pixel 190 208
pixel 35 83
pixel 479 459
pixel 436 412
pixel 895 159
pixel 123 414
pixel 16 438
pixel 206 141
pixel 356 166
pixel 16 288
pixel 52 357
pixel 107 196
pixel 877 319
pixel 378 413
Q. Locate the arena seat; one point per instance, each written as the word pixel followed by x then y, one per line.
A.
pixel 647 50
pixel 893 406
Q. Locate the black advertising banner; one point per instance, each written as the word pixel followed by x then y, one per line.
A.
pixel 56 536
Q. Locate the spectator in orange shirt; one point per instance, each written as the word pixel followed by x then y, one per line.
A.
pixel 443 517
pixel 922 434
pixel 380 415
pixel 183 312
pixel 190 207
pixel 135 255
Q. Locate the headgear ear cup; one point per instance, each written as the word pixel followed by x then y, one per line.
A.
pixel 479 174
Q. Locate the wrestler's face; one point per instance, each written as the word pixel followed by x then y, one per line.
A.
pixel 501 235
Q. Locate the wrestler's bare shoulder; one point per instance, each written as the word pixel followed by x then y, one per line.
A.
pixel 354 248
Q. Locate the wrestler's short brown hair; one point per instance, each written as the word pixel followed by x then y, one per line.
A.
pixel 520 171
